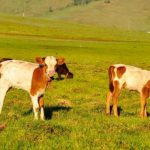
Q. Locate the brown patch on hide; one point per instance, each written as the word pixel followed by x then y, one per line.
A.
pixel 39 78
pixel 146 90
pixel 121 71
pixel 145 94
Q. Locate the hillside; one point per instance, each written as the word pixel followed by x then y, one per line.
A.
pixel 32 7
pixel 131 15
pixel 36 7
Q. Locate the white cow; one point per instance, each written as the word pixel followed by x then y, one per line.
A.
pixel 130 77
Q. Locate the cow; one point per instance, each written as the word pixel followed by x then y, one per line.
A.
pixel 129 77
pixel 31 77
pixel 62 69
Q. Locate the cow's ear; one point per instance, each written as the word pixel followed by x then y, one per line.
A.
pixel 60 60
pixel 39 60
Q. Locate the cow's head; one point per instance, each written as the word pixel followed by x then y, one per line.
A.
pixel 49 62
pixel 61 66
pixel 60 61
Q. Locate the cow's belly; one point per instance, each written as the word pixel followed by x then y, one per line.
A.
pixel 135 84
pixel 20 84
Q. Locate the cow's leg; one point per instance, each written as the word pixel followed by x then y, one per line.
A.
pixel 108 99
pixel 3 90
pixel 66 76
pixel 143 112
pixel 115 95
pixel 59 76
pixel 41 104
pixel 144 96
pixel 35 106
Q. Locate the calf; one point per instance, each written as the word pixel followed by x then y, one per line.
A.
pixel 133 78
pixel 62 69
pixel 32 77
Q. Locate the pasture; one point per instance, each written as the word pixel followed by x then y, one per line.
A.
pixel 81 124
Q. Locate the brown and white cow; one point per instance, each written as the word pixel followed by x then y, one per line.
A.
pixel 62 69
pixel 32 77
pixel 130 77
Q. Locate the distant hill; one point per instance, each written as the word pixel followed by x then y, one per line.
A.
pixel 126 14
pixel 32 7
pixel 37 7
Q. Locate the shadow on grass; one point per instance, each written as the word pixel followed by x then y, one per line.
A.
pixel 129 114
pixel 57 79
pixel 119 110
pixel 148 114
pixel 49 110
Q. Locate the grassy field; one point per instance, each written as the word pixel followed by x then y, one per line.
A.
pixel 89 50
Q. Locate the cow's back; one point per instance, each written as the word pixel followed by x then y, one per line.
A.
pixel 18 73
pixel 133 77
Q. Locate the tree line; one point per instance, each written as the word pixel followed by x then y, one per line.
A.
pixel 79 2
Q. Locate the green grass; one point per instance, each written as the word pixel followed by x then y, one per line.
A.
pixel 89 50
